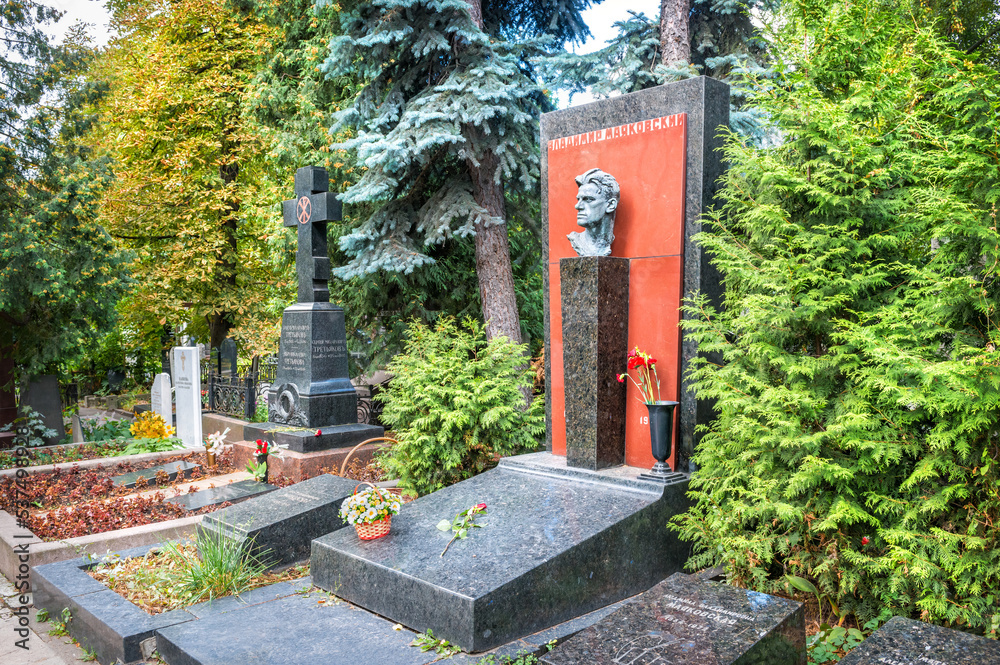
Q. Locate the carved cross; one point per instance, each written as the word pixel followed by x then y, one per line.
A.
pixel 310 210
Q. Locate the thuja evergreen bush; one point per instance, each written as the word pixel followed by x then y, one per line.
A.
pixel 855 361
pixel 456 402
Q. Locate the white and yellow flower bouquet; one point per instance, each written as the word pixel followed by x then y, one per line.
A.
pixel 369 505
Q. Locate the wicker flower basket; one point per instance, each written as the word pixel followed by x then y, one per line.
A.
pixel 374 530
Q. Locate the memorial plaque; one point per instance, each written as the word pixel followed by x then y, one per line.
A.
pixel 187 390
pixel 907 642
pixel 43 396
pixel 686 621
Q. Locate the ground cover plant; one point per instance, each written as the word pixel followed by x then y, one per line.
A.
pixel 855 365
pixel 42 456
pixel 174 575
pixel 456 404
pixel 76 502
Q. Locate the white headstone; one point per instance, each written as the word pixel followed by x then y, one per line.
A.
pixel 161 399
pixel 187 394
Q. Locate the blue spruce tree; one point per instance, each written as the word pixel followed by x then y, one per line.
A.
pixel 446 128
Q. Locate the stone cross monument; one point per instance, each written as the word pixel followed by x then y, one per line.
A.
pixel 312 390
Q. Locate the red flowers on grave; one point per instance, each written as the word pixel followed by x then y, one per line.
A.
pixel 319 432
pixel 261 448
pixel 647 378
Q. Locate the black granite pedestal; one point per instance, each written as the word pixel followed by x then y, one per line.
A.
pixel 281 525
pixel 687 621
pixel 595 351
pixel 907 642
pixel 302 440
pixel 555 543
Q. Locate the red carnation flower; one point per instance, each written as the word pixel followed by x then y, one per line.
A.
pixel 319 432
pixel 621 378
pixel 480 506
pixel 635 361
pixel 865 540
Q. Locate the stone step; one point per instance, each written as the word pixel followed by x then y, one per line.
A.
pixel 172 469
pixel 555 543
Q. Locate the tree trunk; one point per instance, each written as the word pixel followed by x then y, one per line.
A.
pixel 493 269
pixel 219 323
pixel 675 44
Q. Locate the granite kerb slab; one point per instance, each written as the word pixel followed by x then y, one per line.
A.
pixel 284 522
pixel 305 440
pixel 101 619
pixel 556 543
pixel 685 620
pixel 904 641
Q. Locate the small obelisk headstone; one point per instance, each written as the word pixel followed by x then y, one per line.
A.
pixel 227 358
pixel 187 390
pixel 160 398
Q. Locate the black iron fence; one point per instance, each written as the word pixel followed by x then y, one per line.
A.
pixel 238 396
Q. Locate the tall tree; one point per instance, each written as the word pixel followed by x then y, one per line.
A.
pixel 60 273
pixel 675 44
pixel 445 123
pixel 192 195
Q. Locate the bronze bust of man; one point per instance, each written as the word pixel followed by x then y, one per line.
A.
pixel 596 203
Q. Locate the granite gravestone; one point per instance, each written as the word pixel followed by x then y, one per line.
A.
pixel 312 390
pixel 907 642
pixel 187 393
pixel 663 147
pixel 686 621
pixel 43 396
pixel 227 358
pixel 160 398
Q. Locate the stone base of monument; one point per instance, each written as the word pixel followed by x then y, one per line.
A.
pixel 556 542
pixel 299 466
pixel 302 440
pixel 282 524
pixel 906 641
pixel 687 621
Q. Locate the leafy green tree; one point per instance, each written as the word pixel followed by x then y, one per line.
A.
pixel 456 403
pixel 60 272
pixel 972 26
pixel 192 195
pixel 857 393
pixel 445 123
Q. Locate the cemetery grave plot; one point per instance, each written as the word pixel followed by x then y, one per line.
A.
pixel 65 504
pixel 62 454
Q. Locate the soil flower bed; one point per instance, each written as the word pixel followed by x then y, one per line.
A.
pixel 65 504
pixel 162 580
pixel 42 456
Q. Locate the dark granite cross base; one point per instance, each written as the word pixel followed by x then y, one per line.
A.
pixel 214 496
pixel 282 524
pixel 306 440
pixel 311 387
pixel 687 621
pixel 128 480
pixel 556 542
pixel 595 349
pixel 907 642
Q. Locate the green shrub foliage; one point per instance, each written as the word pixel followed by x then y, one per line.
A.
pixel 855 361
pixel 456 402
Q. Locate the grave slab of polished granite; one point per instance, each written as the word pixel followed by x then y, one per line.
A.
pixel 307 441
pixel 241 490
pixel 102 620
pixel 172 470
pixel 907 642
pixel 688 621
pixel 285 521
pixel 556 542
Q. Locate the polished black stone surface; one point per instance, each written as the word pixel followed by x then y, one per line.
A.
pixel 706 103
pixel 102 620
pixel 556 543
pixel 284 523
pixel 172 470
pixel 595 351
pixel 687 621
pixel 213 496
pixel 907 642
pixel 311 387
pixel 332 436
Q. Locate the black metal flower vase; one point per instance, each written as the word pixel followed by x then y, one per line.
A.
pixel 661 432
pixel 263 459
